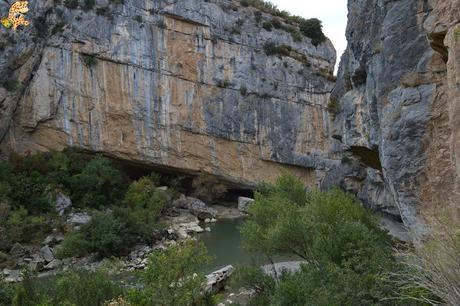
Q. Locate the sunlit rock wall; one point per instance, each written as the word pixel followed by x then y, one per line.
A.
pixel 185 85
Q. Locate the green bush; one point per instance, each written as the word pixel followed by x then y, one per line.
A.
pixel 89 60
pixel 138 18
pixel 89 4
pixel 71 4
pixel 267 25
pixel 143 194
pixel 333 106
pixel 113 233
pixel 104 234
pixel 243 91
pixel 30 190
pixel 245 3
pixel 91 181
pixel 143 206
pixel 6 294
pixel 273 49
pixel 99 184
pixel 173 277
pixel 12 85
pixel 78 288
pixel 348 259
pixel 313 29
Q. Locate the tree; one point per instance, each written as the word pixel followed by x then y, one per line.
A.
pixel 173 277
pixel 348 259
pixel 99 184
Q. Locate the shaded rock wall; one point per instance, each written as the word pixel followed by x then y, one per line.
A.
pixel 180 84
pixel 398 87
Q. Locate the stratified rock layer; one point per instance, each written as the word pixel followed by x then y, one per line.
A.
pixel 178 84
pixel 398 86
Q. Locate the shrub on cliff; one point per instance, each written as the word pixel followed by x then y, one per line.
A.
pixel 348 259
pixel 313 29
pixel 271 48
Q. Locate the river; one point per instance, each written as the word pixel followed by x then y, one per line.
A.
pixel 224 244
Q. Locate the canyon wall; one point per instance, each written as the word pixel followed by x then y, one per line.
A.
pixel 186 85
pixel 190 86
pixel 398 90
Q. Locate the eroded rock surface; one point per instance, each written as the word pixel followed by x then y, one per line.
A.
pixel 180 84
pixel 398 88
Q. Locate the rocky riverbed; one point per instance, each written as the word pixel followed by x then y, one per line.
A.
pixel 187 218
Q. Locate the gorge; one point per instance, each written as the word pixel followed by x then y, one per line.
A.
pixel 190 86
pixel 240 93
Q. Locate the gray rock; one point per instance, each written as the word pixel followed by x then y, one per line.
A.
pixel 63 203
pixel 243 203
pixel 277 269
pixel 397 91
pixel 35 266
pixel 38 258
pixel 47 253
pixel 217 280
pixel 12 276
pixel 17 250
pixel 196 207
pixel 53 239
pixel 54 264
pixel 78 219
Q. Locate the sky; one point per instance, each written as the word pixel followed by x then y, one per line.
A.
pixel 333 14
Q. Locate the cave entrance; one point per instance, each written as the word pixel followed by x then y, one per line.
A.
pixel 209 188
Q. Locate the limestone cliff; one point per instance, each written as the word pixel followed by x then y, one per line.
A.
pixel 399 94
pixel 184 84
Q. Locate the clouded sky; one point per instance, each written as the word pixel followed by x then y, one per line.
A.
pixel 333 14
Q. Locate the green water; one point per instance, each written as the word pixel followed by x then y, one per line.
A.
pixel 224 245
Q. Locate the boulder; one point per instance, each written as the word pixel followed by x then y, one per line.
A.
pixel 18 250
pixel 78 219
pixel 276 270
pixel 196 207
pixel 46 253
pixel 53 239
pixel 38 258
pixel 12 276
pixel 35 266
pixel 54 264
pixel 243 203
pixel 216 281
pixel 62 204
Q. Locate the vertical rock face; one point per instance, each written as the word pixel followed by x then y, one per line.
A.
pixel 181 84
pixel 398 87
